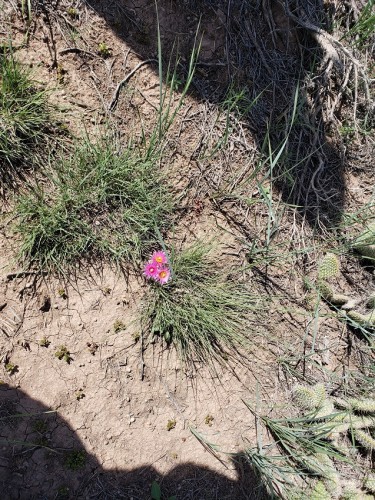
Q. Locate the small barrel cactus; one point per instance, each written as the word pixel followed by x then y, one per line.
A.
pixel 329 267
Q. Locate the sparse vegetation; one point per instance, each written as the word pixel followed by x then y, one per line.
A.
pixel 208 420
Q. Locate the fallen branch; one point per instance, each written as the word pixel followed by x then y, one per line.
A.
pixel 76 50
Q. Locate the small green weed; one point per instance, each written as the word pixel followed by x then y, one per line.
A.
pixel 118 326
pixel 201 311
pixel 11 368
pixel 79 394
pixel 63 354
pixel 75 459
pixel 63 493
pixel 26 9
pixel 62 293
pixel 102 203
pixel 171 424
pixel 40 426
pixel 104 50
pixel 156 493
pixel 44 342
pixel 208 420
pixel 73 13
pixel 42 441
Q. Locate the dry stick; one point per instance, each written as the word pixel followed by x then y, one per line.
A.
pixel 23 274
pixel 76 50
pixel 116 93
pixel 340 92
pixel 52 51
pixel 355 98
pixel 142 360
pixel 93 76
pixel 258 49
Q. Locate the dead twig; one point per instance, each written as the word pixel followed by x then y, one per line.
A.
pixel 76 50
pixel 112 105
pixel 24 274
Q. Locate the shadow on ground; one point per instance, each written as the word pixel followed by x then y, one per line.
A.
pixel 256 48
pixel 42 458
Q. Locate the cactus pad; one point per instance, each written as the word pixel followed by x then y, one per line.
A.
pixel 365 243
pixel 366 320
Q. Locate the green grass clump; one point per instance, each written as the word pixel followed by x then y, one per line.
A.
pixel 201 311
pixel 101 203
pixel 25 119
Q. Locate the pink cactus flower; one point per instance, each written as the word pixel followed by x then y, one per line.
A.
pixel 163 275
pixel 151 270
pixel 159 258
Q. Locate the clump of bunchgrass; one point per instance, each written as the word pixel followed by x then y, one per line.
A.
pixel 103 203
pixel 25 118
pixel 201 310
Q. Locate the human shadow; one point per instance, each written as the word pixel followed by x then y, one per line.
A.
pixel 42 458
pixel 255 47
